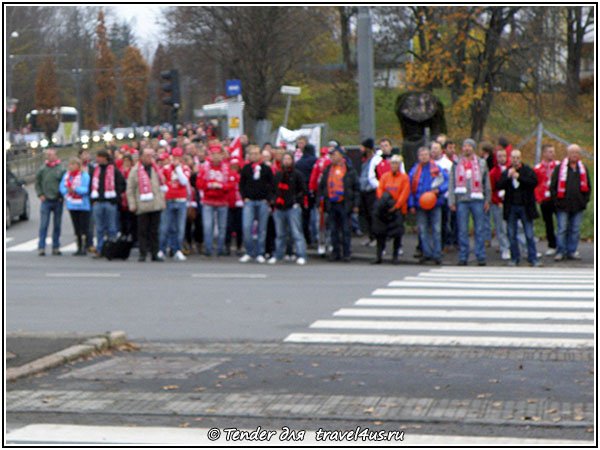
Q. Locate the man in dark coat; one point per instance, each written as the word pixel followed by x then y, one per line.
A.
pixel 519 183
pixel 570 189
pixel 305 166
pixel 339 188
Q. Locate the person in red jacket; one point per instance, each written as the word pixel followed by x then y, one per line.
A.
pixel 544 170
pixel 313 186
pixel 236 205
pixel 213 180
pixel 496 208
pixel 177 176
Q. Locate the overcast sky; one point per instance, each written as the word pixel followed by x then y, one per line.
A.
pixel 143 20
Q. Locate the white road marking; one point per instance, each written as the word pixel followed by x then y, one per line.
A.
pixel 479 293
pixel 512 304
pixel 453 326
pixel 198 437
pixel 509 271
pixel 579 279
pixel 463 314
pixel 32 245
pixel 230 275
pixel 477 341
pixel 8 239
pixel 471 285
pixel 83 275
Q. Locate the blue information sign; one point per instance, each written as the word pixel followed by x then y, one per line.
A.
pixel 233 87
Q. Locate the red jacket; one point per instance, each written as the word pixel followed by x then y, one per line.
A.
pixel 495 174
pixel 235 198
pixel 382 167
pixel 175 189
pixel 317 172
pixel 214 196
pixel 542 191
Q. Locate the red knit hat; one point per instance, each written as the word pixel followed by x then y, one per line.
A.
pixel 177 151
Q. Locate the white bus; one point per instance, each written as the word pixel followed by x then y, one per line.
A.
pixel 67 130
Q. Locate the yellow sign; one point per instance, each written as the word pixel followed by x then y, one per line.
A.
pixel 234 122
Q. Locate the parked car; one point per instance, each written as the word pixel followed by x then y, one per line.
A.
pixel 17 199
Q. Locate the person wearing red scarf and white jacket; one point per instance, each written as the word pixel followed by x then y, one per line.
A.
pixel 106 188
pixel 146 187
pixel 213 180
pixel 570 190
pixel 177 176
pixel 544 170
pixel 469 193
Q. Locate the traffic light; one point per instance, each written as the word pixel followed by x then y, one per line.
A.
pixel 172 88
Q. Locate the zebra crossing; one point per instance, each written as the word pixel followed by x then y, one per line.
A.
pixel 32 245
pixel 467 306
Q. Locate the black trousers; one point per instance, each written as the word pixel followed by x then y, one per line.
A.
pixel 128 224
pixel 548 212
pixel 367 200
pixel 270 240
pixel 234 223
pixel 81 222
pixel 148 224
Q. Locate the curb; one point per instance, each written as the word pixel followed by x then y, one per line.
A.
pixel 100 343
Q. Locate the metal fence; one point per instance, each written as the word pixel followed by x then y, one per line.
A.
pixel 25 162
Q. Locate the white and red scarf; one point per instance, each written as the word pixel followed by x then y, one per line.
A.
pixel 73 181
pixel 53 163
pixel 109 182
pixel 562 178
pixel 547 168
pixel 469 169
pixel 256 168
pixel 146 194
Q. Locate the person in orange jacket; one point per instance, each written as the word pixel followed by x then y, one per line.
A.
pixel 391 205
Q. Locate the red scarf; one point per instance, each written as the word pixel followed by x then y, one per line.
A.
pixel 434 170
pixel 283 186
pixel 462 166
pixel 562 178
pixel 546 168
pixel 146 194
pixel 73 181
pixel 109 182
pixel 53 164
pixel 335 182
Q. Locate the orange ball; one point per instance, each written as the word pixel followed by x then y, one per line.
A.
pixel 427 200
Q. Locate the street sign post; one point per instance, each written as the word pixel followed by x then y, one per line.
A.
pixel 233 87
pixel 289 90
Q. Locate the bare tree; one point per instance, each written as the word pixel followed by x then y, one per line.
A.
pixel 579 22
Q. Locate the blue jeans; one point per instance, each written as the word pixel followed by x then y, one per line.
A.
pixel 289 219
pixel 487 225
pixel 339 223
pixel 255 210
pixel 517 213
pixel 174 229
pixel 500 226
pixel 429 223
pixel 208 222
pixel 567 235
pixel 475 209
pixel 55 207
pixel 162 232
pixel 105 217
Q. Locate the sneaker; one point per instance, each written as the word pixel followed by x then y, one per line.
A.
pixel 400 252
pixel 56 252
pixel 575 256
pixel 179 256
pixel 246 258
pixel 559 257
pixel 512 263
pixel 321 250
pixel 272 260
pixel 536 264
pixel 551 252
pixel 301 261
pixel 160 254
pixel 41 252
pixel 505 255
pixel 261 259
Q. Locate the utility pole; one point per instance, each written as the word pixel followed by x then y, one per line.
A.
pixel 366 90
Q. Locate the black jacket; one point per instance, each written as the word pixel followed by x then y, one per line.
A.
pixel 261 189
pixel 527 183
pixel 306 163
pixel 120 185
pixel 351 188
pixel 296 189
pixel 574 200
pixel 386 223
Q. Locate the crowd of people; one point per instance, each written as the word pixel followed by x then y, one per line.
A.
pixel 174 196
